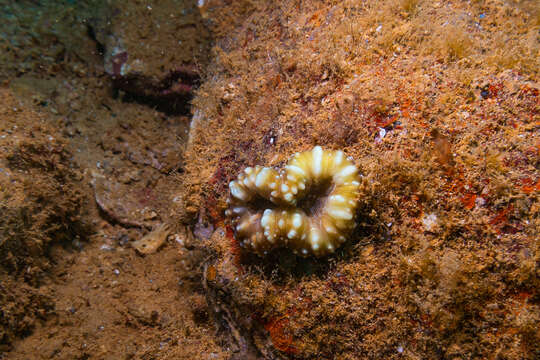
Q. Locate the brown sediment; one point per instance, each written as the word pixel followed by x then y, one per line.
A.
pixel 74 291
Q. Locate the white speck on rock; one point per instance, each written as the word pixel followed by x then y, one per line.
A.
pixel 429 221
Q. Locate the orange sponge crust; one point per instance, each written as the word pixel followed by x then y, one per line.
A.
pixel 308 207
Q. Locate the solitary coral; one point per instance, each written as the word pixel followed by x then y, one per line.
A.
pixel 308 207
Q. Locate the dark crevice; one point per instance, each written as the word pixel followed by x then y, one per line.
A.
pixel 171 95
pixel 100 48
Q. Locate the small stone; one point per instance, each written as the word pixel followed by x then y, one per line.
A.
pixel 152 241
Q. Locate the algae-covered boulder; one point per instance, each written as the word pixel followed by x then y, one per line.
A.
pixel 444 260
pixel 40 206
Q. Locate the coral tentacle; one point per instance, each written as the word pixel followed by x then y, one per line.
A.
pixel 308 207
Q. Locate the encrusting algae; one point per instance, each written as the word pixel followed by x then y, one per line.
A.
pixel 443 262
pixel 311 209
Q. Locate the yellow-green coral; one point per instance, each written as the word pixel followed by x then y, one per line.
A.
pixel 308 207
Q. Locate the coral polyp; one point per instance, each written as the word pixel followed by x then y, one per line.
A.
pixel 309 206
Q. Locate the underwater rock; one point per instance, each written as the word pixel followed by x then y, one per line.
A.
pixel 152 241
pixel 150 51
pixel 121 203
pixel 41 203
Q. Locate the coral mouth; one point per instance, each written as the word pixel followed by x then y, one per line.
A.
pixel 316 198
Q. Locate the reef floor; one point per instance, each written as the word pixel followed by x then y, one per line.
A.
pixel 88 171
pixel 123 123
